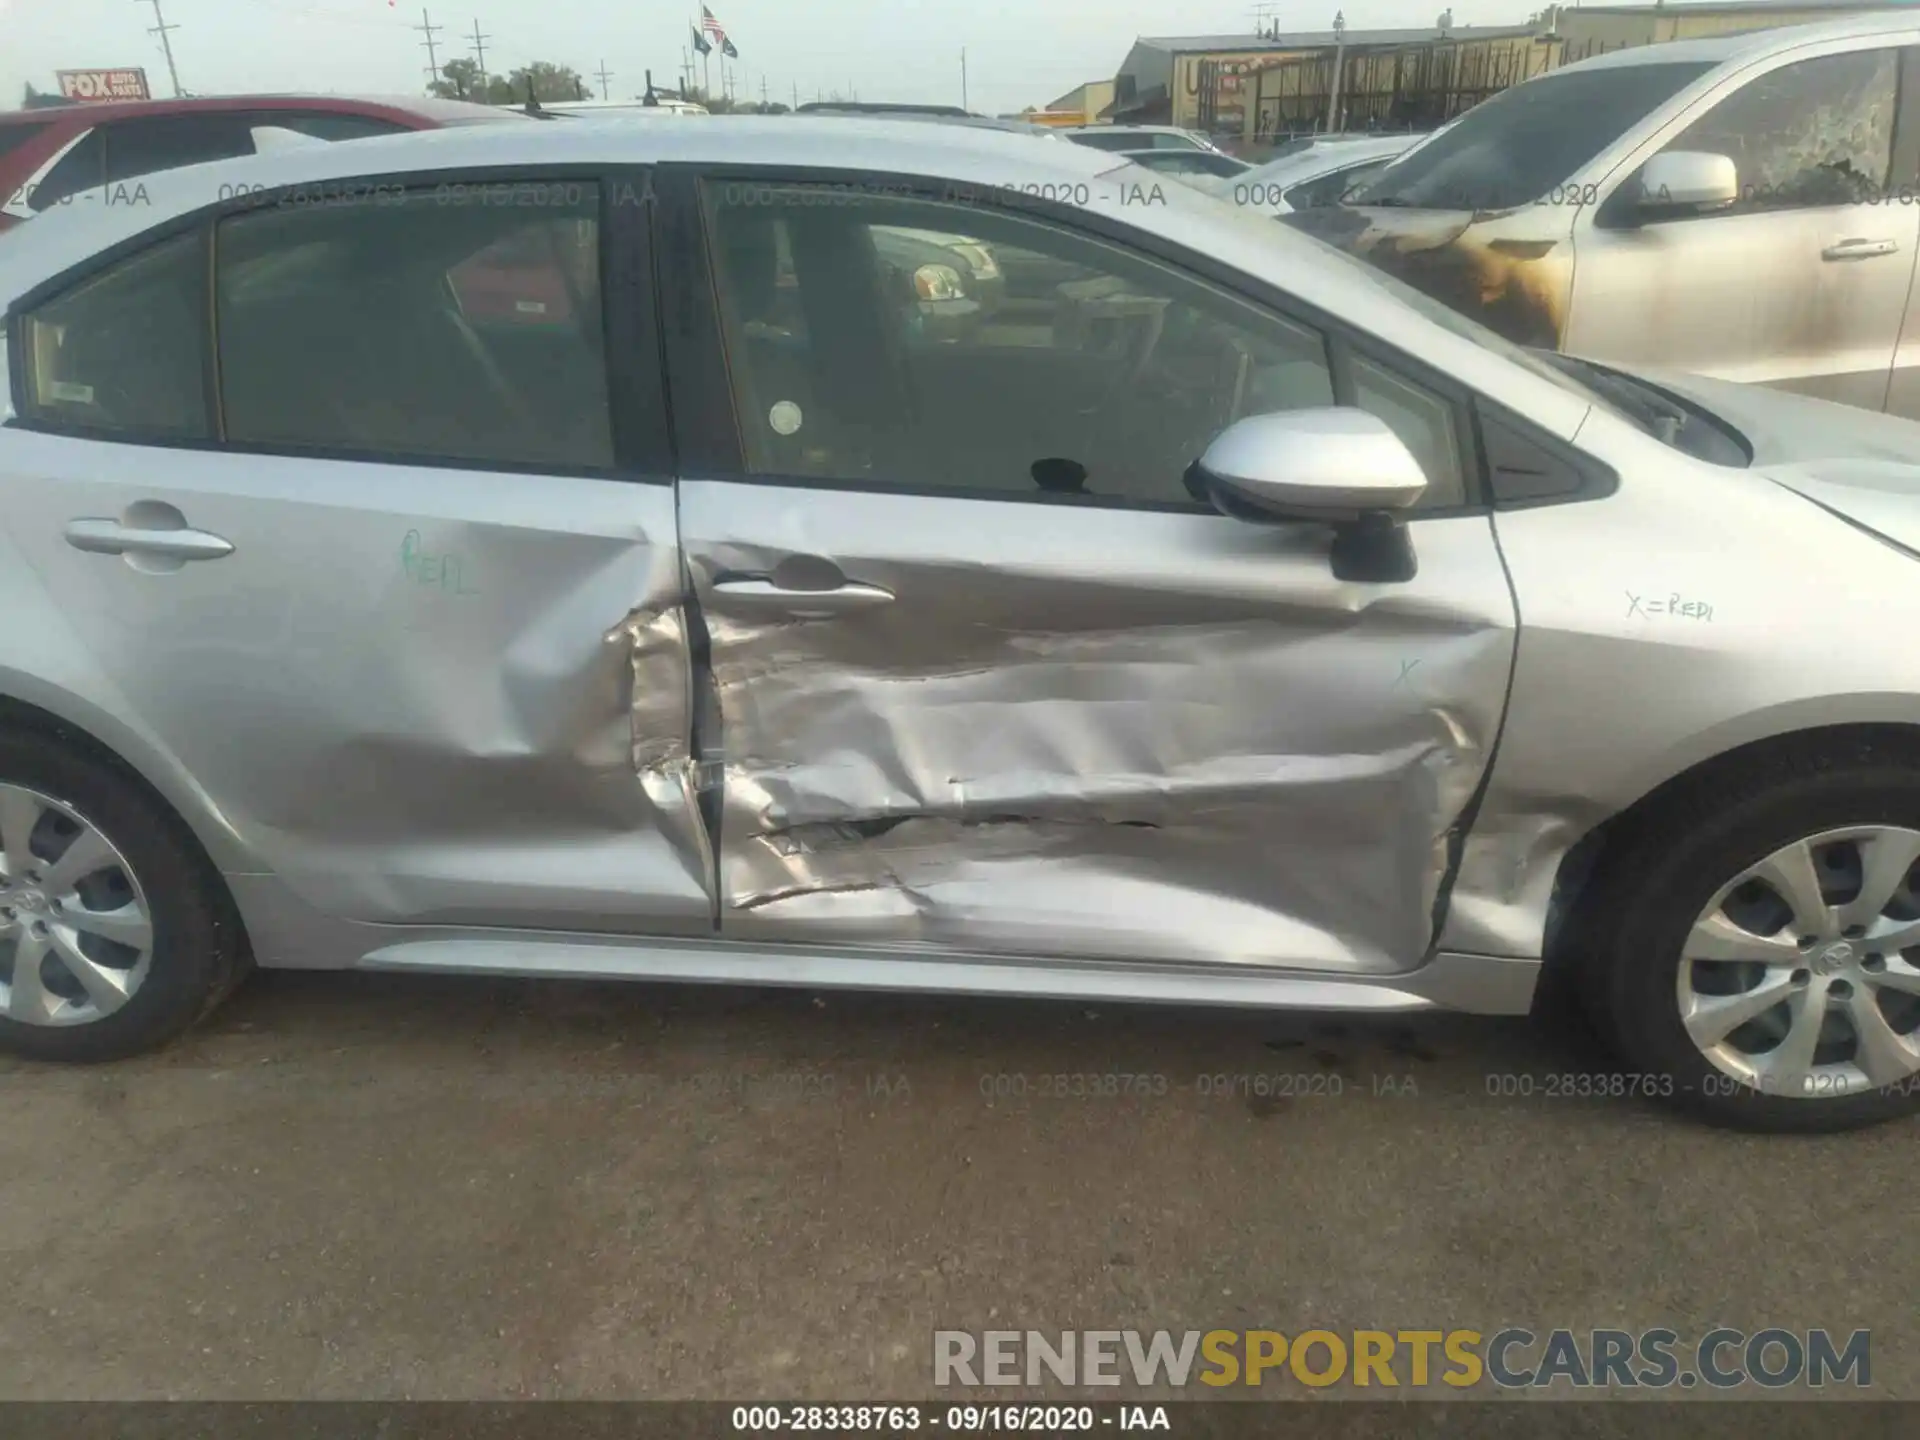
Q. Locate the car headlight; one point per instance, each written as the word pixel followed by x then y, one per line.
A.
pixel 938 282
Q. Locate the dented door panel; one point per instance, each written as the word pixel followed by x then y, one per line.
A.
pixel 1091 733
pixel 409 691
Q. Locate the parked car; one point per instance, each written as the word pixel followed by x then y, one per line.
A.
pixel 1136 137
pixel 1206 170
pixel 1738 206
pixel 48 157
pixel 1319 174
pixel 1242 627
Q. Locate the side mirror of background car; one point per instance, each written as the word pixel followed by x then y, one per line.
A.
pixel 1686 182
pixel 1334 465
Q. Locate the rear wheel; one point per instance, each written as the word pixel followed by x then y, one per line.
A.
pixel 1755 953
pixel 115 935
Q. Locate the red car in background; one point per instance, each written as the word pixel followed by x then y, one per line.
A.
pixel 50 155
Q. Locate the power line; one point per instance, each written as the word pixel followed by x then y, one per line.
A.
pixel 604 76
pixel 161 28
pixel 427 28
pixel 479 54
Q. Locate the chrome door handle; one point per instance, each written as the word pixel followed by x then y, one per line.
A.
pixel 763 594
pixel 1859 249
pixel 110 537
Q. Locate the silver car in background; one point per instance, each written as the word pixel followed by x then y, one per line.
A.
pixel 1221 622
pixel 1322 173
pixel 1746 207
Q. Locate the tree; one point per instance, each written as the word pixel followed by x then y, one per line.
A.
pixel 546 81
pixel 462 81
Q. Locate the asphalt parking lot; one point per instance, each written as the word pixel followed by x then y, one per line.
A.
pixel 385 1187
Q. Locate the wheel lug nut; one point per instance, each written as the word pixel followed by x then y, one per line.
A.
pixel 1807 942
pixel 1840 990
pixel 1875 963
pixel 1854 932
pixel 1802 977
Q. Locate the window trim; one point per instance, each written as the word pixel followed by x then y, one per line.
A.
pixel 698 366
pixel 638 416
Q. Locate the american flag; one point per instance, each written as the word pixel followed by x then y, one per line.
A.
pixel 716 32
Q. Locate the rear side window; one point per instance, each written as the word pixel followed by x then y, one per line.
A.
pixel 145 147
pixel 418 328
pixel 123 353
pixel 84 167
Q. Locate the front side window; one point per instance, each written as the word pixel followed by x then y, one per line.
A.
pixel 1806 135
pixel 414 326
pixel 1517 146
pixel 123 352
pixel 920 344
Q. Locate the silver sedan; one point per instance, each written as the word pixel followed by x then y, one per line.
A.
pixel 568 552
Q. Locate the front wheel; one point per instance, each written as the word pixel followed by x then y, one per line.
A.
pixel 1759 943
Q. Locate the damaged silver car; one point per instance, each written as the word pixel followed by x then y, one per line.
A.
pixel 1215 622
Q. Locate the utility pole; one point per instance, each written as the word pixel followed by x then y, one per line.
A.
pixel 796 94
pixel 604 76
pixel 161 28
pixel 427 28
pixel 963 77
pixel 479 55
pixel 763 93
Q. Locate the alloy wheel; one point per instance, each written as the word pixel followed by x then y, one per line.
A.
pixel 1800 979
pixel 76 932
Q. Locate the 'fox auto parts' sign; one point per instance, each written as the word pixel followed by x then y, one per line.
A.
pixel 103 84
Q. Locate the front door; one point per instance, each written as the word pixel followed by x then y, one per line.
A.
pixel 403 596
pixel 989 678
pixel 1802 283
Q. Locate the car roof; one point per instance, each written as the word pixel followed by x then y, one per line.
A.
pixel 1750 44
pixel 985 162
pixel 446 112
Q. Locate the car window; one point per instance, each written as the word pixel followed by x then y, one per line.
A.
pixel 123 352
pixel 870 342
pixel 1513 148
pixel 1816 133
pixel 166 142
pixel 84 167
pixel 1327 189
pixel 410 328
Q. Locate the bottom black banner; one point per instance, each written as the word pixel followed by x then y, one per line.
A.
pixel 1308 1420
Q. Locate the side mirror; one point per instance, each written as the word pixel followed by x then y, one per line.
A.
pixel 1337 466
pixel 1686 182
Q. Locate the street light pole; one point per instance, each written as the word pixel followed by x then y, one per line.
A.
pixel 963 77
pixel 1339 55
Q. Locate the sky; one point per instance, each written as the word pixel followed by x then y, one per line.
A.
pixel 1017 54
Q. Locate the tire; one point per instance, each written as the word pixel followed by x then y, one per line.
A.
pixel 197 953
pixel 1671 862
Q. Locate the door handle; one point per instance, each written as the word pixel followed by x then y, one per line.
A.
pixel 759 593
pixel 110 537
pixel 1859 249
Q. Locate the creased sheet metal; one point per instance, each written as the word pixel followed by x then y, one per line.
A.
pixel 1112 735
